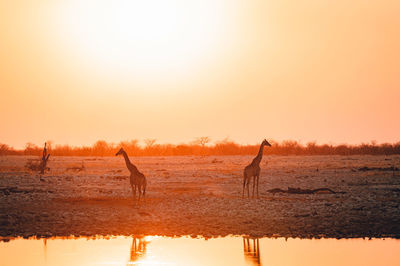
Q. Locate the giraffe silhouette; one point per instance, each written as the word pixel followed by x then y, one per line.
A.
pixel 137 179
pixel 253 170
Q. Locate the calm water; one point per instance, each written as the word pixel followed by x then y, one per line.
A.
pixel 152 250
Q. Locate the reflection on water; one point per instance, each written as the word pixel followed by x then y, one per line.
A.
pixel 154 250
pixel 45 248
pixel 251 248
pixel 138 249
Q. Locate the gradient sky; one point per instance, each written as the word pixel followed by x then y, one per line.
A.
pixel 78 71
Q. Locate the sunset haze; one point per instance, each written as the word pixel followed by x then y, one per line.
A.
pixel 75 72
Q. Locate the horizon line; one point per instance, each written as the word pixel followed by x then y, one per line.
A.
pixel 142 143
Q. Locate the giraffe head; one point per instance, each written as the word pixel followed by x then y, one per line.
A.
pixel 266 143
pixel 119 152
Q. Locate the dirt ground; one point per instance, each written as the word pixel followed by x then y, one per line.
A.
pixel 202 196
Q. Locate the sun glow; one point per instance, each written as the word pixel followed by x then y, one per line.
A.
pixel 141 39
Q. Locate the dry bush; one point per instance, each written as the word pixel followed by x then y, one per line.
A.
pixel 33 164
pixel 201 147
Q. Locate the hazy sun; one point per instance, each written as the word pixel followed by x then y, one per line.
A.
pixel 143 38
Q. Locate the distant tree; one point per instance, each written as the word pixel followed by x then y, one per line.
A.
pixel 49 145
pixel 4 149
pixel 150 142
pixel 100 148
pixel 31 149
pixel 129 143
pixel 131 147
pixel 226 146
pixel 202 141
pixel 312 147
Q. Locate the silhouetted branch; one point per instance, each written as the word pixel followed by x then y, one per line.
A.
pixel 291 190
pixel 45 158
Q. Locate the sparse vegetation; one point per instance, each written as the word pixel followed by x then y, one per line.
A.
pixel 38 164
pixel 202 146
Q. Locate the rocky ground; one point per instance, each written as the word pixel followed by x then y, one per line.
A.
pixel 202 196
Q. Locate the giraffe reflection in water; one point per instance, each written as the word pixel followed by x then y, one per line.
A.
pixel 138 249
pixel 251 248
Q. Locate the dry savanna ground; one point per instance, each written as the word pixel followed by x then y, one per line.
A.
pixel 201 196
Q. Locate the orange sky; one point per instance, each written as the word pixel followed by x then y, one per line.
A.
pixel 77 71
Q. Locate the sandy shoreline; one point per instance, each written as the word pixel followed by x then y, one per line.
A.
pixel 201 196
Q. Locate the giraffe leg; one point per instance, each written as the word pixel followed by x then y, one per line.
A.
pixel 244 185
pixel 140 191
pixel 144 192
pixel 254 184
pixel 248 187
pixel 258 177
pixel 134 193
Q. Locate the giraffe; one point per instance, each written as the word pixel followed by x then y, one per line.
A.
pixel 137 178
pixel 253 170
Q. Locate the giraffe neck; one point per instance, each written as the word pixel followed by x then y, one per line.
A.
pixel 259 155
pixel 127 161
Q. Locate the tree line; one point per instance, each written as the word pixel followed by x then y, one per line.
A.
pixel 202 146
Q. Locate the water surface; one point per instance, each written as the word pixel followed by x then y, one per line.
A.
pixel 154 250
